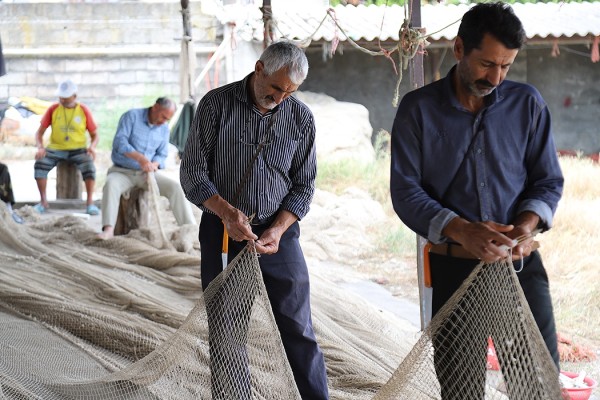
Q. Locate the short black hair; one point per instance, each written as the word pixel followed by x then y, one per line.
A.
pixel 497 19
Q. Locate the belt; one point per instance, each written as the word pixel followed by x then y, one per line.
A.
pixel 451 250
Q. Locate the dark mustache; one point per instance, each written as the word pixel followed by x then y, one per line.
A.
pixel 484 83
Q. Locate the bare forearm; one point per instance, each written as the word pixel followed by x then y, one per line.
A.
pixel 527 221
pixel 39 142
pixel 95 138
pixel 284 220
pixel 219 206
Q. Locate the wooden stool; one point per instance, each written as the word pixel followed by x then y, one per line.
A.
pixel 68 181
pixel 134 211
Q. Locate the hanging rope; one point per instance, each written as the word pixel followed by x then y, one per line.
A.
pixel 411 41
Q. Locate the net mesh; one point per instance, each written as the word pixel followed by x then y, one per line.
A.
pixel 82 318
pixel 450 360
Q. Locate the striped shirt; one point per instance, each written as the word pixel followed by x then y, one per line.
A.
pixel 135 133
pixel 225 135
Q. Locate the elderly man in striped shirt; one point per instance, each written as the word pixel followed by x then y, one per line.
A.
pixel 251 152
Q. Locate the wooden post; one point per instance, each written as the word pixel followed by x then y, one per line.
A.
pixel 187 56
pixel 417 79
pixel 267 17
pixel 68 181
pixel 134 211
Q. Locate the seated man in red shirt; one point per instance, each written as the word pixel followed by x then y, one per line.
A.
pixel 68 142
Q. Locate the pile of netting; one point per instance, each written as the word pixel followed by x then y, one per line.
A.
pixel 83 318
pixel 487 321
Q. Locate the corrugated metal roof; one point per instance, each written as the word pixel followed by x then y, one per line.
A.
pixel 541 20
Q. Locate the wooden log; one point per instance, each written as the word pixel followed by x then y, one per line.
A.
pixel 134 211
pixel 68 181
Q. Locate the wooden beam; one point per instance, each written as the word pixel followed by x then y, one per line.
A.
pixel 417 80
pixel 267 17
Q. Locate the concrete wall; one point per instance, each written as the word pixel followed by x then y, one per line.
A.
pixel 569 83
pixel 115 51
pixel 127 53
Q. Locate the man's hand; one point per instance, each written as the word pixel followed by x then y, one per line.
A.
pixel 238 225
pixel 484 240
pixel 235 221
pixel 269 241
pixel 525 225
pixel 40 153
pixel 92 152
pixel 525 244
pixel 147 166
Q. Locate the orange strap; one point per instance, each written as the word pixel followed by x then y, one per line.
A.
pixel 225 246
pixel 426 267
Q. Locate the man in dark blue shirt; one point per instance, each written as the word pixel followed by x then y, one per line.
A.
pixel 474 165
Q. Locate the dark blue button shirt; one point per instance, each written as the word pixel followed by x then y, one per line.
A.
pixel 492 166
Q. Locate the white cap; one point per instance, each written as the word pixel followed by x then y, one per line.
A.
pixel 66 89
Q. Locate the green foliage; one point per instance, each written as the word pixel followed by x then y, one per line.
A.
pixel 396 239
pixel 373 177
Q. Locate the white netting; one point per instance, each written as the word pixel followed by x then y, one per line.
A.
pixel 82 318
pixel 449 361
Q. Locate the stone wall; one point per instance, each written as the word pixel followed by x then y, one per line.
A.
pixel 570 84
pixel 127 53
pixel 114 51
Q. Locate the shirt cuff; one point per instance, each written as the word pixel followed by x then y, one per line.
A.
pixel 437 225
pixel 541 209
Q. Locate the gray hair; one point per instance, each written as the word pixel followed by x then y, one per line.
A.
pixel 165 102
pixel 285 55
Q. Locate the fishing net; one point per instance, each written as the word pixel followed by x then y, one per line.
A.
pixel 82 318
pixel 451 360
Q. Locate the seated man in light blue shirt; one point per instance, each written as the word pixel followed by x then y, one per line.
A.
pixel 140 146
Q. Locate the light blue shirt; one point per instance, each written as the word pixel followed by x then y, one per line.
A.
pixel 135 133
pixel 489 166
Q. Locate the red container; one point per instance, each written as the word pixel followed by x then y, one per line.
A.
pixel 492 358
pixel 579 393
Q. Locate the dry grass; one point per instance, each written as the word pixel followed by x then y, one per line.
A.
pixel 571 249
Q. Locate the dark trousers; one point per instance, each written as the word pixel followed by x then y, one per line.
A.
pixel 6 192
pixel 457 339
pixel 286 279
